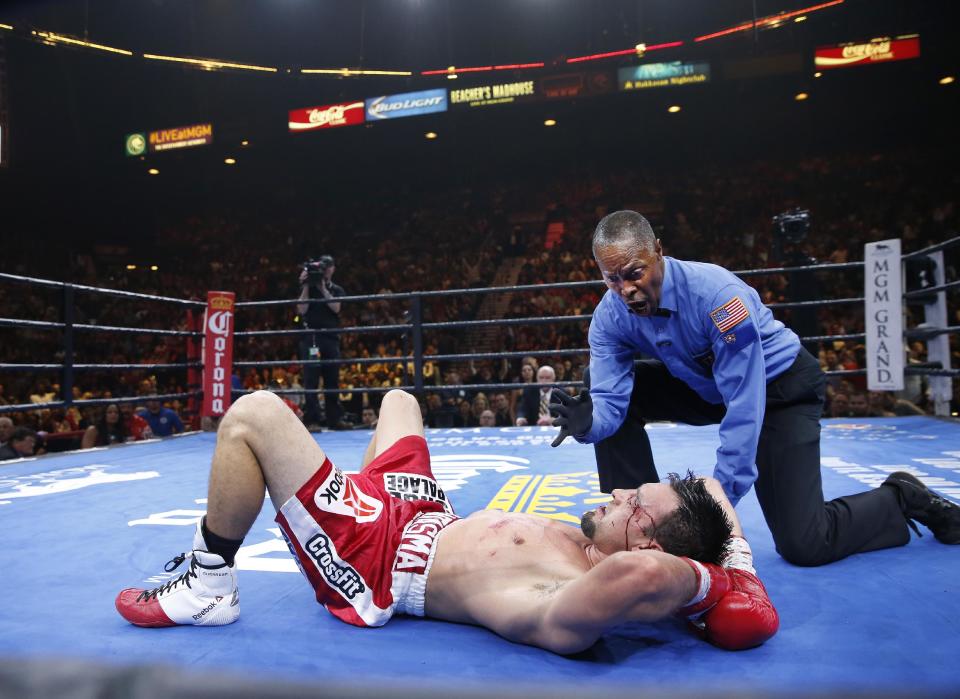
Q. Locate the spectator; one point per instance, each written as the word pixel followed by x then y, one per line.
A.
pixel 23 441
pixel 440 413
pixel 465 416
pixel 110 429
pixel 6 429
pixel 137 428
pixel 859 405
pixel 503 417
pixel 535 401
pixel 369 417
pixel 840 405
pixel 488 419
pixel 162 420
pixel 478 405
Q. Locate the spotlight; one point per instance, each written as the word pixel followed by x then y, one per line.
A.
pixel 244 143
pixel 550 122
pixel 230 161
pixel 800 96
pixel 153 171
pixel 131 267
pixel 801 18
pixel 673 108
pixel 946 80
pixel 153 268
pixel 817 74
pixel 430 135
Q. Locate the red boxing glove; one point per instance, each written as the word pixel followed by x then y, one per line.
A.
pixel 745 617
pixel 713 583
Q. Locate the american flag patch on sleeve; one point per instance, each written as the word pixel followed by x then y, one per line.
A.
pixel 729 314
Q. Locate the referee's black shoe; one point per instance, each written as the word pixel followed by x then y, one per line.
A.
pixel 918 502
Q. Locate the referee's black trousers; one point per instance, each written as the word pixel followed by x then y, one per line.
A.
pixel 806 530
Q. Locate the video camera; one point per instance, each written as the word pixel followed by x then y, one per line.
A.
pixel 792 226
pixel 316 268
pixel 789 230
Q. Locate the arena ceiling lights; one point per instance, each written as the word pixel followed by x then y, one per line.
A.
pixel 452 72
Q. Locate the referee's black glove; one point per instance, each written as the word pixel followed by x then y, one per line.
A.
pixel 574 416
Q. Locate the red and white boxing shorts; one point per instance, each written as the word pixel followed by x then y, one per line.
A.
pixel 366 541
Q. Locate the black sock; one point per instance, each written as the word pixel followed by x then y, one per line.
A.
pixel 227 548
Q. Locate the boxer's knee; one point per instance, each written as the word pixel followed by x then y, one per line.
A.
pixel 398 400
pixel 250 413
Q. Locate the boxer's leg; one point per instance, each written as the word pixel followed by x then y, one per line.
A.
pixel 260 442
pixel 400 417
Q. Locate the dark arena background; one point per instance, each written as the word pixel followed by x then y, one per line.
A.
pixel 152 151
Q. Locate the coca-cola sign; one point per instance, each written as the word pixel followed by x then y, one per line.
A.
pixel 326 117
pixel 875 51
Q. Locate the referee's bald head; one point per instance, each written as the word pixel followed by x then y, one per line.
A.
pixel 624 227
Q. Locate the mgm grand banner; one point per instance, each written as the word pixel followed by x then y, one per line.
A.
pixel 485 95
pixel 662 75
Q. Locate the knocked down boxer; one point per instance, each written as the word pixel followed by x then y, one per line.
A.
pixel 386 541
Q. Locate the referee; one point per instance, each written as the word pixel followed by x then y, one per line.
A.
pixel 721 357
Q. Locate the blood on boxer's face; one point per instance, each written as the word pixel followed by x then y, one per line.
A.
pixel 629 521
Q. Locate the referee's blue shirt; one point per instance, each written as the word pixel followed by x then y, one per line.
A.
pixel 719 339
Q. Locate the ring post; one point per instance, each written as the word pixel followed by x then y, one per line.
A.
pixel 938 348
pixel 66 383
pixel 416 317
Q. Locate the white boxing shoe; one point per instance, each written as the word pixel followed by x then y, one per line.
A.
pixel 205 595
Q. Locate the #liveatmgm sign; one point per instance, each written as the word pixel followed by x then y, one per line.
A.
pixel 136 144
pixel 884 315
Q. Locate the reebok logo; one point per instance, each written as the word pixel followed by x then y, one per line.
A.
pixel 339 495
pixel 203 612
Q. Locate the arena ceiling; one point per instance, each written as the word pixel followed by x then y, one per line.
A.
pixel 418 35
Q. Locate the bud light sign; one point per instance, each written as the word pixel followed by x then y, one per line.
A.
pixel 217 353
pixel 406 104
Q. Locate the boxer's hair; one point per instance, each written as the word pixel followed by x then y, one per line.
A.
pixel 624 227
pixel 698 528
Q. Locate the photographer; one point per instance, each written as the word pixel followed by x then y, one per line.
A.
pixel 316 282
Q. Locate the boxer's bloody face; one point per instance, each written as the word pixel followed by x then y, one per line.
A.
pixel 629 521
pixel 634 273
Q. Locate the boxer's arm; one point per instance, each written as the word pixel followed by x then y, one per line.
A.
pixel 627 586
pixel 714 487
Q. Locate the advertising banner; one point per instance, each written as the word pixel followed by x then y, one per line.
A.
pixel 325 117
pixel 875 51
pixel 884 317
pixel 406 104
pixel 485 95
pixel 662 75
pixel 581 84
pixel 180 137
pixel 135 144
pixel 217 352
